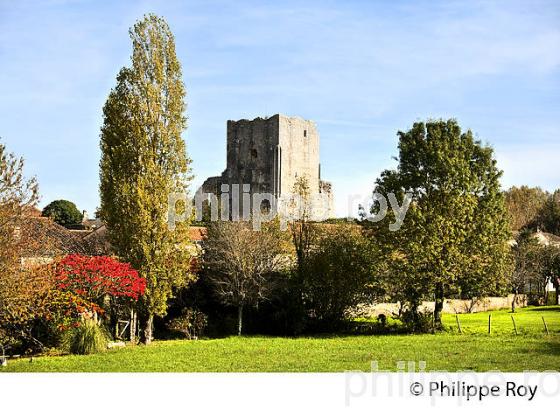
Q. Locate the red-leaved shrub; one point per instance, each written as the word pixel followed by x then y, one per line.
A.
pixel 93 277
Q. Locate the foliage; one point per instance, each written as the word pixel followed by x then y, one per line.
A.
pixel 547 265
pixel 18 195
pixel 533 208
pixel 454 237
pixel 87 338
pixel 526 253
pixel 242 264
pixel 304 234
pixel 22 292
pixel 143 161
pixel 29 303
pixel 302 228
pixel 40 302
pixel 334 268
pixel 535 266
pixel 65 309
pixel 191 323
pixel 24 297
pixel 524 205
pixel 341 221
pixel 555 274
pixel 108 287
pixel 549 219
pixel 63 212
pixel 93 277
pixel 417 321
pixel 338 274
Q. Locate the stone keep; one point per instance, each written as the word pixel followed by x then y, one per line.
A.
pixel 269 154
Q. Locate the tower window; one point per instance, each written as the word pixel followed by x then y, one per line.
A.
pixel 265 207
pixel 254 153
pixel 305 133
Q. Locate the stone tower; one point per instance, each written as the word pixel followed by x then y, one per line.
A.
pixel 269 154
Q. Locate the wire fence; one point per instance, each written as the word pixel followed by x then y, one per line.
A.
pixel 545 321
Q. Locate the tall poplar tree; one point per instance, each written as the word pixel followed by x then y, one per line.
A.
pixel 143 161
pixel 454 239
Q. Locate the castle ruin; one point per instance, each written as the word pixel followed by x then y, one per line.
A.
pixel 268 155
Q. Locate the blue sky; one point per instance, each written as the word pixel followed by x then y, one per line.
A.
pixel 360 69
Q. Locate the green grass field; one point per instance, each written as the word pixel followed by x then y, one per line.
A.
pixel 474 350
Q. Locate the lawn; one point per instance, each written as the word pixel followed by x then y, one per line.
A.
pixel 474 350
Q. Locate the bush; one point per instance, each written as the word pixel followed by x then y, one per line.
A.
pixel 24 299
pixel 281 315
pixel 33 311
pixel 191 323
pixel 338 273
pixel 417 321
pixel 551 298
pixel 87 338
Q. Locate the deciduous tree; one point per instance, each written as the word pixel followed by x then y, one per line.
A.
pixel 144 160
pixel 243 264
pixel 549 219
pixel 338 273
pixel 18 196
pixel 302 230
pixel 524 205
pixel 456 230
pixel 94 277
pixel 20 290
pixel 63 212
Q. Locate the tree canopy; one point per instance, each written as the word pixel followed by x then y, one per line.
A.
pixel 454 238
pixel 63 212
pixel 524 205
pixel 144 161
pixel 18 196
pixel 549 219
pixel 242 263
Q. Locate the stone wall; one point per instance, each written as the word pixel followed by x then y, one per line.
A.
pixel 450 306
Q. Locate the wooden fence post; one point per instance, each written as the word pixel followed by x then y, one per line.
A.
pixel 514 325
pixel 489 324
pixel 545 326
pixel 458 323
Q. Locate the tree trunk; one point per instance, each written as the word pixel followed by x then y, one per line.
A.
pixel 513 302
pixel 132 326
pixel 239 319
pixel 111 315
pixel 149 330
pixel 438 307
pixel 415 317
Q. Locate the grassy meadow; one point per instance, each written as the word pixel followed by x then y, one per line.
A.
pixel 473 349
